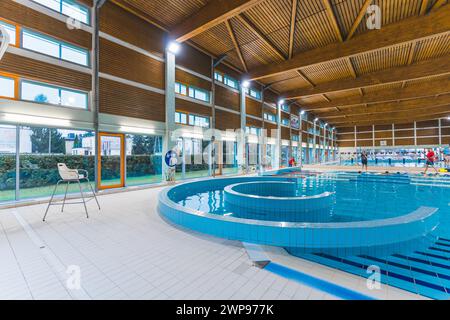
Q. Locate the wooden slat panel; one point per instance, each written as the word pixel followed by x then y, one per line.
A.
pixel 367 135
pixel 364 143
pixel 254 123
pixel 189 79
pixel 228 120
pixel 404 133
pixel 427 141
pixel 191 107
pixel 195 60
pixel 123 100
pixel 253 107
pixel 346 144
pixel 285 134
pixel 427 132
pixel 404 142
pixel 346 136
pixel 30 18
pixel 40 71
pixel 131 65
pixel 138 32
pixel 427 124
pixel 383 134
pixel 269 127
pixel 227 98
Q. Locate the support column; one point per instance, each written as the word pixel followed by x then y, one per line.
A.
pixel 300 138
pixel 96 88
pixel 241 141
pixel 314 143
pixel 17 193
pixel 170 108
pixel 277 153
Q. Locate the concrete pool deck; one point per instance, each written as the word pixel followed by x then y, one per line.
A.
pixel 126 251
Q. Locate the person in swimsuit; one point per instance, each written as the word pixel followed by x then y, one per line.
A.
pixel 364 160
pixel 431 157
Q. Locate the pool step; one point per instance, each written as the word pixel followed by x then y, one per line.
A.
pixel 425 272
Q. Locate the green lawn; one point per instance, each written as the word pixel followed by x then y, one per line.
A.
pixel 45 191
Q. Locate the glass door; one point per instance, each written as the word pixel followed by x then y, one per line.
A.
pixel 111 160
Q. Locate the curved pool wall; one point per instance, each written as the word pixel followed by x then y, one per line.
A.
pixel 346 238
pixel 281 199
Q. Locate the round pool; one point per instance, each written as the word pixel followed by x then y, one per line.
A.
pixel 358 217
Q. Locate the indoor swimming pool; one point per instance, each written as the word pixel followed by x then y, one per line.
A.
pixel 399 223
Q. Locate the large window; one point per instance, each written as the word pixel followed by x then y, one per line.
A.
pixel 193 156
pixel 52 47
pixel 43 93
pixel 180 117
pixel 143 159
pixel 41 149
pixel 270 117
pixel 253 130
pixel 69 8
pixel 198 121
pixel 227 80
pixel 7 162
pixel 285 108
pixel 253 93
pixel 7 87
pixel 11 29
pixel 193 92
pixel 285 122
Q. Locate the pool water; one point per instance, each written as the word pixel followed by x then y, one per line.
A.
pixel 424 270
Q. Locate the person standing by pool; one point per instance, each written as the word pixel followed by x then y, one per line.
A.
pixel 446 152
pixel 431 157
pixel 364 160
pixel 292 162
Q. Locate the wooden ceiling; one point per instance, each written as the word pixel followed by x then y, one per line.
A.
pixel 321 54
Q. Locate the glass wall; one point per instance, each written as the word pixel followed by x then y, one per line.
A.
pixel 41 149
pixel 194 160
pixel 230 164
pixel 143 159
pixel 284 156
pixel 252 155
pixel 7 162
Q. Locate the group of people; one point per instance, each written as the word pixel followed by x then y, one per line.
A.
pixel 431 158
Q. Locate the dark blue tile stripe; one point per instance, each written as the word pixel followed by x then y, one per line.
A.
pixel 432 255
pixel 431 263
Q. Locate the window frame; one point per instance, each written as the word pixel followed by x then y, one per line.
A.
pixel 60 89
pixel 60 11
pixel 181 113
pixel 5 75
pixel 195 116
pixel 60 44
pixel 17 30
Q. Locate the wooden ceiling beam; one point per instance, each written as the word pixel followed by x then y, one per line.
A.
pixel 422 69
pixel 333 20
pixel 392 116
pixel 212 14
pixel 423 7
pixel 391 121
pixel 429 88
pixel 236 44
pixel 292 25
pixel 393 34
pixel 250 25
pixel 358 19
pixel 305 78
pixel 402 106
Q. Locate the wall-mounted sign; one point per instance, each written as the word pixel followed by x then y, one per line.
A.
pixel 383 143
pixel 295 123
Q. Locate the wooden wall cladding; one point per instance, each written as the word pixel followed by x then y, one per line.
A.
pixel 383 127
pixel 364 135
pixel 131 65
pixel 270 97
pixel 445 122
pixel 345 130
pixel 404 126
pixel 427 141
pixel 136 31
pixel 30 18
pixel 253 107
pixel 271 110
pixel 364 129
pixel 383 134
pixel 445 140
pixel 254 122
pixel 427 124
pixel 285 133
pixel 346 136
pixel 404 133
pixel 195 60
pixel 123 100
pixel 41 71
pixel 445 131
pixel 346 144
pixel 404 142
pixel 427 132
pixel 227 120
pixel 227 98
pixel 88 3
pixel 364 143
pixel 189 79
pixel 191 107
pixel 228 71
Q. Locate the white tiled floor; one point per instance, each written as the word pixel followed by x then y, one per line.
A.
pixel 126 251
